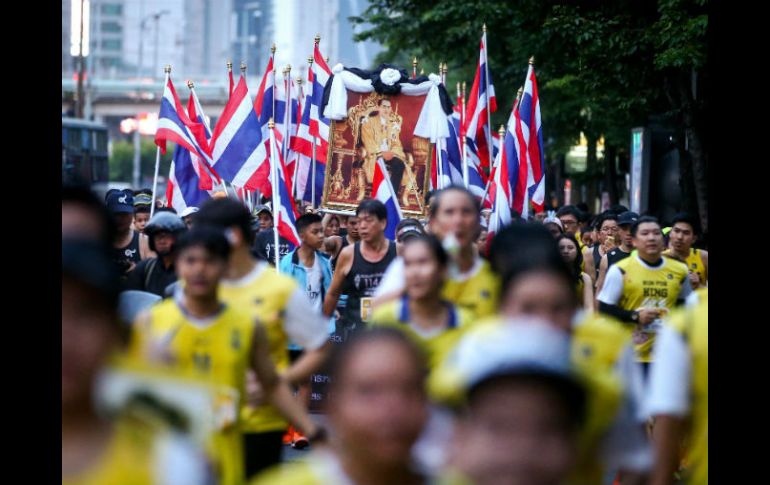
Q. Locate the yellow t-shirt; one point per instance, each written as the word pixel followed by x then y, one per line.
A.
pixel 692 324
pixel 128 459
pixel 645 287
pixel 694 263
pixel 437 345
pixel 216 351
pixel 477 292
pixel 264 294
pixel 598 342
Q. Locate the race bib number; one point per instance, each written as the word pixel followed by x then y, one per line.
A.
pixel 366 309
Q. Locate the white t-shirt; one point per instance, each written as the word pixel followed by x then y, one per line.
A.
pixel 669 382
pixel 313 282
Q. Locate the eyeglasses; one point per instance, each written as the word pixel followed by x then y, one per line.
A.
pixel 609 229
pixel 567 222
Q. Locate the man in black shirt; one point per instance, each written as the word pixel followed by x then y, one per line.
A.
pixel 155 274
pixel 626 245
pixel 360 267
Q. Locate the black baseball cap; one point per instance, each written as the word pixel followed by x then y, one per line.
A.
pixel 120 201
pixel 627 218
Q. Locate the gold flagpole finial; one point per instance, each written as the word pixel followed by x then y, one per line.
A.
pixel 229 65
pixel 190 84
pixel 271 123
pixel 272 49
pixel 327 59
pixel 309 59
pixel 484 28
pixel 288 67
pixel 414 62
pixel 501 131
pixel 422 72
pixel 520 92
pixel 299 80
pixel 167 69
pixel 532 61
pixel 458 88
pixel 243 67
pixel 317 39
pixel 444 69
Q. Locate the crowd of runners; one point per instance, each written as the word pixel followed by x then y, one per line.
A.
pixel 570 348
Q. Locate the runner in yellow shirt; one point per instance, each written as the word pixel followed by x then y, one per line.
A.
pixel 680 241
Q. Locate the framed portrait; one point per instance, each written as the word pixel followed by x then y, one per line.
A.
pixel 377 126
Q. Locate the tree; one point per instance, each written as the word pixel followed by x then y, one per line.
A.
pixel 604 67
pixel 122 161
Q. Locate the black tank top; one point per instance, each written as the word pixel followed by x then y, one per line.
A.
pixel 616 255
pixel 130 252
pixel 361 282
pixel 337 256
pixel 597 259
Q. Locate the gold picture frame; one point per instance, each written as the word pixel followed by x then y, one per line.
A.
pixel 347 178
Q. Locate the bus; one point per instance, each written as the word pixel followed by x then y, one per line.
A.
pixel 84 152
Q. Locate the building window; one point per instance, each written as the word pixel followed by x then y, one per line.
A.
pixel 112 9
pixel 112 44
pixel 110 62
pixel 112 27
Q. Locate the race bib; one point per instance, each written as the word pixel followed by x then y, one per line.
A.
pixel 366 309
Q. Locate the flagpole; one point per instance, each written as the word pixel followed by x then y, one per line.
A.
pixel 486 93
pixel 276 197
pixel 272 56
pixel 414 68
pixel 460 137
pixel 312 160
pixel 440 169
pixel 300 95
pixel 502 141
pixel 287 111
pixel 166 70
pixel 495 166
pixel 244 191
pixel 230 78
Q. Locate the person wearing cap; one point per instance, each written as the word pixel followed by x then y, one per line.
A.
pixel 283 307
pixel 126 447
pixel 153 275
pixel 187 216
pixel 142 204
pixel 538 283
pixel 642 289
pixel 681 239
pixel 553 224
pixel 84 215
pixel 264 241
pixel 213 341
pixel 472 284
pixel 622 251
pixel 519 406
pixel 128 248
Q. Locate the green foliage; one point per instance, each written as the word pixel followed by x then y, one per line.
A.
pixel 599 64
pixel 121 161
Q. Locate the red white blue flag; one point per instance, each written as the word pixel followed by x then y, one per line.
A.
pixel 476 116
pixel 286 213
pixel 382 190
pixel 532 130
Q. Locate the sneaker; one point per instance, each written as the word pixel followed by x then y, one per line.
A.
pixel 300 441
pixel 288 437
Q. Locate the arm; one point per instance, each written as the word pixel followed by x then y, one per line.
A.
pixel 276 389
pixel 309 330
pixel 668 400
pixel 603 265
pixel 588 292
pixel 135 279
pixel 704 257
pixel 144 248
pixel 588 262
pixel 335 289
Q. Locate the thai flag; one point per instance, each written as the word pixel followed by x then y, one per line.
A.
pixel 476 126
pixel 501 190
pixel 382 190
pixel 451 158
pixel 175 125
pixel 530 119
pixel 195 112
pixel 238 146
pixel 294 157
pixel 286 213
pixel 313 125
pixel 189 181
